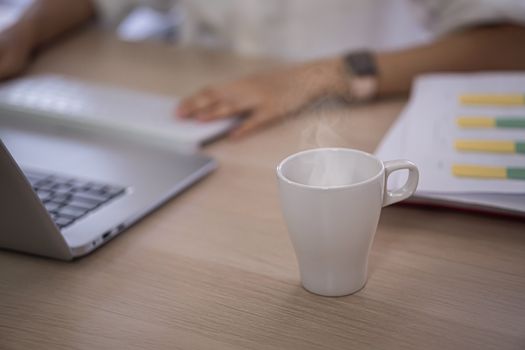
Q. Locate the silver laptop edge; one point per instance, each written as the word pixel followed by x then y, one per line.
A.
pixel 26 224
pixel 150 175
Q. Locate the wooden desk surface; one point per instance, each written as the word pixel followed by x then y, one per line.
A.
pixel 214 268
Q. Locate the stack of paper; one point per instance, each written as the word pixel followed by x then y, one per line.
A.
pixel 466 133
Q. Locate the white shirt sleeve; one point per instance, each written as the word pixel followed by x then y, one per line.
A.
pixel 443 16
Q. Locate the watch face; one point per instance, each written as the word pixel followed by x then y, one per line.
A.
pixel 361 63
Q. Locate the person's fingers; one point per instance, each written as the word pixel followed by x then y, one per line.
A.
pixel 7 68
pixel 3 67
pixel 5 63
pixel 191 106
pixel 14 51
pixel 253 122
pixel 222 109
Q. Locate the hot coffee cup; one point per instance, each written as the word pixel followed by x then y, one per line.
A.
pixel 332 199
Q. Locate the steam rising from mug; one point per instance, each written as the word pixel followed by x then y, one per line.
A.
pixel 325 169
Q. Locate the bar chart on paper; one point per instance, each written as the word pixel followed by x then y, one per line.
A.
pixel 489 145
pixel 466 133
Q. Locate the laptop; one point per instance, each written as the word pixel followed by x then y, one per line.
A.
pixel 67 190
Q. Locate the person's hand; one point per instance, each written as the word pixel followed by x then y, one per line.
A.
pixel 266 97
pixel 15 50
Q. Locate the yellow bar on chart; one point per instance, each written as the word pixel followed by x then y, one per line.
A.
pixel 476 122
pixel 493 99
pixel 486 146
pixel 479 171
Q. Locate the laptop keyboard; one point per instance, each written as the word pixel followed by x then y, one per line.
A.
pixel 68 199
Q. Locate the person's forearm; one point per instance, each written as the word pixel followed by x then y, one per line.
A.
pixel 44 20
pixel 488 48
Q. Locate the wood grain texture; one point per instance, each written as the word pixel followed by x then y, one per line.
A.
pixel 214 268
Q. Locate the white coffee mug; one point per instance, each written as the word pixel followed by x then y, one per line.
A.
pixel 332 199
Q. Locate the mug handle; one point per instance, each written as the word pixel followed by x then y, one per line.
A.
pixel 391 197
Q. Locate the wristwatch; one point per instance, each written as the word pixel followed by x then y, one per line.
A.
pixel 362 73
